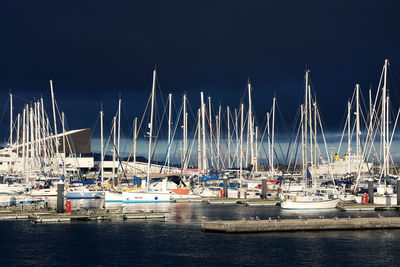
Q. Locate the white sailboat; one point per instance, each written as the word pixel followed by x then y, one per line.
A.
pixel 148 196
pixel 308 199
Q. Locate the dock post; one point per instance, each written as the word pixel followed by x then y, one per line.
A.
pixel 139 182
pixel 116 181
pixel 60 198
pixel 370 191
pixel 398 193
pixel 264 189
pixel 225 187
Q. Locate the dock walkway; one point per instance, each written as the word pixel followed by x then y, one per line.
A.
pixel 284 225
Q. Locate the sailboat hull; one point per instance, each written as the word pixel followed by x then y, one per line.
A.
pixel 145 197
pixel 309 205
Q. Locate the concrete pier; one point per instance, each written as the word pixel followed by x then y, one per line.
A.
pixel 286 225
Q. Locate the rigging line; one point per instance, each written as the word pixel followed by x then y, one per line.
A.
pixel 172 137
pixel 215 145
pixel 295 141
pixel 286 131
pixel 158 131
pixel 137 134
pixel 95 125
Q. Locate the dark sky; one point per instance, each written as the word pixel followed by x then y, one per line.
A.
pixel 96 50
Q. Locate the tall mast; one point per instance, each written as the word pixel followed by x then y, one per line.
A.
pixel 218 138
pixel 303 144
pixel 184 135
pixel 358 121
pixel 240 152
pixel 269 144
pixel 199 140
pixel 305 114
pixel 101 146
pixel 24 143
pixel 119 127
pixel 169 128
pixel 256 156
pixel 151 127
pixel 43 130
pixel 203 122
pixel 63 129
pixel 18 130
pixel 273 135
pixel 54 115
pixel 114 144
pixel 228 115
pixel 315 144
pixel 134 144
pixel 211 131
pixel 32 135
pixel 310 124
pixel 349 135
pixel 250 124
pixel 384 121
pixel 11 119
pixel 237 135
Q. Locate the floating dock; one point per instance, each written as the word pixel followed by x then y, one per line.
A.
pixel 79 215
pixel 367 207
pixel 286 225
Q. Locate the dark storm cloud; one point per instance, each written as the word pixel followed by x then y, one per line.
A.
pixel 96 50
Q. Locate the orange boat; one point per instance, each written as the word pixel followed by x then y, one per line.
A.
pixel 180 191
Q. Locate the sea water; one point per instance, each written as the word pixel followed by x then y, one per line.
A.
pixel 178 240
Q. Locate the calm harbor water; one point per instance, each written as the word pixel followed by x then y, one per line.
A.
pixel 179 241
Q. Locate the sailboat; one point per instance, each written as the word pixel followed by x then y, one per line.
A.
pixel 148 196
pixel 309 199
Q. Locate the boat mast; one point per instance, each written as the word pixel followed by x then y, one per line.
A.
pixel 54 115
pixel 256 156
pixel 269 144
pixel 218 122
pixel 184 128
pixel 18 123
pixel 63 129
pixel 199 140
pixel 384 122
pixel 358 122
pixel 119 127
pixel 211 131
pixel 273 136
pixel 11 119
pixel 315 145
pixel 305 116
pixel 169 128
pixel 134 144
pixel 250 123
pixel 24 144
pixel 237 136
pixel 32 136
pixel 151 128
pixel 101 146
pixel 229 136
pixel 240 152
pixel 349 135
pixel 310 125
pixel 114 144
pixel 203 121
pixel 43 130
pixel 303 143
